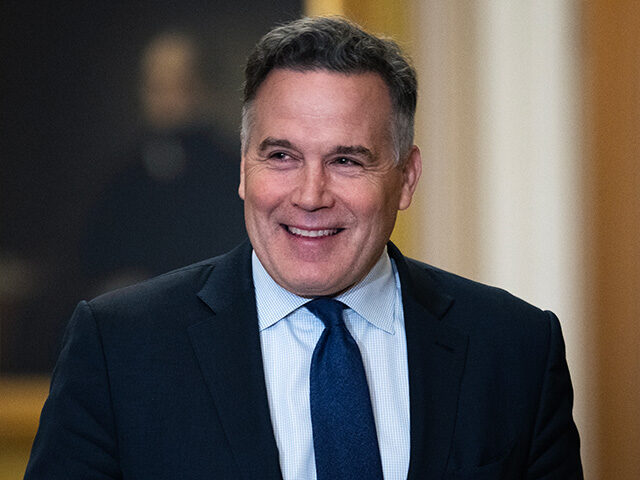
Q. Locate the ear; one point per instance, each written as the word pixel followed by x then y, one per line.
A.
pixel 411 171
pixel 241 186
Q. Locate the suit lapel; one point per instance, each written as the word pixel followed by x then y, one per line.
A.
pixel 227 346
pixel 436 355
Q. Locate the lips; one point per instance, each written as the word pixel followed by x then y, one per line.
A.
pixel 300 232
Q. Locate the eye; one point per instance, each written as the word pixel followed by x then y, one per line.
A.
pixel 280 160
pixel 346 161
pixel 280 156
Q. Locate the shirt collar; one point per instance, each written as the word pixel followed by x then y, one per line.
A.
pixel 373 298
pixel 273 302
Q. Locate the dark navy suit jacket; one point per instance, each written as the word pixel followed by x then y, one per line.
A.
pixel 164 380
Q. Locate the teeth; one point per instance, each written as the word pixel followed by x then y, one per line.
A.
pixel 313 233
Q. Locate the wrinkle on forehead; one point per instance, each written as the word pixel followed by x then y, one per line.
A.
pixel 327 107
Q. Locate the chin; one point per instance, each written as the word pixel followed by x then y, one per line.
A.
pixel 321 290
pixel 313 288
pixel 309 291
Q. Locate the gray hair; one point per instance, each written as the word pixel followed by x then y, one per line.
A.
pixel 338 45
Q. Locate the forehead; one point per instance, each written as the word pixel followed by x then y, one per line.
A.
pixel 283 81
pixel 321 100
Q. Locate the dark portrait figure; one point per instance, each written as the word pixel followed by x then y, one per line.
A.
pixel 175 200
pixel 315 349
pixel 119 151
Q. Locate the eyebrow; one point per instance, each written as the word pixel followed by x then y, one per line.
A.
pixel 354 150
pixel 274 142
pixel 271 142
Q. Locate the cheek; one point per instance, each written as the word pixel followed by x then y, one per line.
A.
pixel 383 210
pixel 261 196
pixel 376 201
pixel 376 215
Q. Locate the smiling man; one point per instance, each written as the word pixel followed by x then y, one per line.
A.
pixel 321 180
pixel 316 349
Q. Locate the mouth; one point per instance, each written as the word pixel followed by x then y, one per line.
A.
pixel 317 233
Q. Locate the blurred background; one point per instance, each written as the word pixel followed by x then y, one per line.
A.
pixel 119 130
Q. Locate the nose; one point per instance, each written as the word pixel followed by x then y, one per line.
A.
pixel 311 192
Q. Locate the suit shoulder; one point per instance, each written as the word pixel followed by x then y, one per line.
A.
pixel 190 275
pixel 170 291
pixel 477 299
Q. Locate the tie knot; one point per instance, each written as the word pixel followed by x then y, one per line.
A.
pixel 328 310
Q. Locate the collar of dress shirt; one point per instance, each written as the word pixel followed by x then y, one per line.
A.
pixel 373 298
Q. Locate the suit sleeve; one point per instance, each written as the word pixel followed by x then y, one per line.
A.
pixel 76 438
pixel 555 450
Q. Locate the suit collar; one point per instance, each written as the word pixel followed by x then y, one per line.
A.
pixel 436 354
pixel 227 346
pixel 419 285
pixel 230 278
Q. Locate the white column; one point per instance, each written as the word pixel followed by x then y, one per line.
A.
pixel 500 134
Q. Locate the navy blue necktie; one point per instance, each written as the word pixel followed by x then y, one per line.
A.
pixel 344 431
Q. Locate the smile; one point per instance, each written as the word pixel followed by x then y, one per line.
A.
pixel 312 233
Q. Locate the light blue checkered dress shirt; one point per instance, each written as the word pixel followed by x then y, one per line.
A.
pixel 289 334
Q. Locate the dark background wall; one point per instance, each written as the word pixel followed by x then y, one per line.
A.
pixel 68 104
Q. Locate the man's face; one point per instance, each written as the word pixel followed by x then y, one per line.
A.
pixel 318 178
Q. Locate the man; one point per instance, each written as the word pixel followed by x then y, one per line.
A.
pixel 225 369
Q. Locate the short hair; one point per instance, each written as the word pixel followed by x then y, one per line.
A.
pixel 338 45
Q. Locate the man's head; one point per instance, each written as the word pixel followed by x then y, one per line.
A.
pixel 337 45
pixel 321 177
